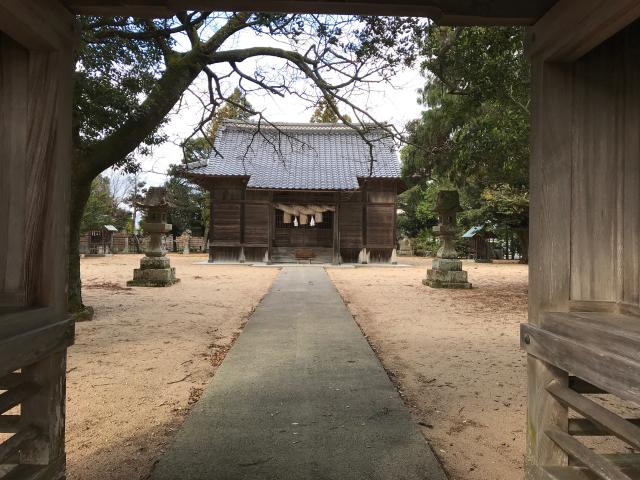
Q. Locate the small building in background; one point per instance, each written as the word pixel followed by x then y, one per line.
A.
pixel 480 243
pixel 100 242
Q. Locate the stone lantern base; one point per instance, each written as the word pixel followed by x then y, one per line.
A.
pixel 154 272
pixel 446 273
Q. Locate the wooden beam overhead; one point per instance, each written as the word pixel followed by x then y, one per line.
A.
pixel 37 25
pixel 572 28
pixel 446 12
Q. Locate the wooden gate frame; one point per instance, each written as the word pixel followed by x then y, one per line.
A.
pixel 568 31
pixel 35 146
pixel 35 141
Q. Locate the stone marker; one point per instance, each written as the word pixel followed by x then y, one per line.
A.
pixel 184 238
pixel 406 247
pixel 446 269
pixel 155 269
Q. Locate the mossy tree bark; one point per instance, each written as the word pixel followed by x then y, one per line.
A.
pixel 79 197
pixel 92 159
pixel 181 69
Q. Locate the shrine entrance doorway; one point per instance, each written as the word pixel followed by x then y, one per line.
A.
pixel 297 234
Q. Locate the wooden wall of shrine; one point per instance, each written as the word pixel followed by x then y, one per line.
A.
pixel 605 221
pixel 245 225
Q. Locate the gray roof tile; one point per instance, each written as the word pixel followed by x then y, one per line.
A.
pixel 300 156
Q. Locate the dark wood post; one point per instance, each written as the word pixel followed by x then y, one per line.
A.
pixel 243 196
pixel 210 246
pixel 271 227
pixel 551 168
pixel 336 232
pixel 365 201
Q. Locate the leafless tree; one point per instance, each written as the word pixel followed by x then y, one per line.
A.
pixel 335 58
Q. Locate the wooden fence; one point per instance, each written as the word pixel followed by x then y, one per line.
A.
pixel 128 243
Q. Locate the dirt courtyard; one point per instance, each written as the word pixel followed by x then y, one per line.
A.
pixel 146 356
pixel 137 367
pixel 455 356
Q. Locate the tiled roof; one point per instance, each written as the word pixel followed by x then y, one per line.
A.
pixel 299 156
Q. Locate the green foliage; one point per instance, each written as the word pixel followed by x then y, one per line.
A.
pixel 101 209
pixel 505 205
pixel 474 132
pixel 190 210
pixel 323 113
pixel 195 149
pixel 235 107
pixel 418 203
pixel 112 74
pixel 98 210
pixel 425 244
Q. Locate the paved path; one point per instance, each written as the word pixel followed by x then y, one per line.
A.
pixel 300 396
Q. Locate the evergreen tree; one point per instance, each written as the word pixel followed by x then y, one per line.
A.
pixel 99 207
pixel 474 132
pixel 323 113
pixel 235 107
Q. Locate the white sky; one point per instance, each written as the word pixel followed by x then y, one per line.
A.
pixel 394 103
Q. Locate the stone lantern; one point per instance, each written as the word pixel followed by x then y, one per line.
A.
pixel 446 270
pixel 155 269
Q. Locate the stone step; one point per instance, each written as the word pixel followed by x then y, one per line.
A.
pixel 287 255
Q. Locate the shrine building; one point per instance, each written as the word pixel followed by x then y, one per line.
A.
pixel 287 192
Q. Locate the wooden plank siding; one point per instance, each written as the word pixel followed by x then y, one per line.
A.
pixel 14 68
pixel 381 214
pixel 605 224
pixel 585 225
pixel 256 224
pixel 380 226
pixel 225 221
pixel 350 225
pixel 246 218
pixel 549 254
pixel 593 204
pixel 630 231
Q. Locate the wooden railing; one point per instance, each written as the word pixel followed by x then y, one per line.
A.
pixel 32 377
pixel 601 352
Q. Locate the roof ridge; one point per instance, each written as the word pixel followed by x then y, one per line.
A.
pixel 238 122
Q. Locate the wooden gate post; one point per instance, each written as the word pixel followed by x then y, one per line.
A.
pixel 36 67
pixel 549 257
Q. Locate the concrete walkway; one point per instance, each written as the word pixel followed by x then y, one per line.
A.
pixel 300 396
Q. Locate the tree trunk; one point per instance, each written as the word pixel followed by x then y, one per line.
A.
pixel 523 236
pixel 91 160
pixel 80 191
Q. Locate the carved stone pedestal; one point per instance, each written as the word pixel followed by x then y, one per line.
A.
pixel 446 273
pixel 154 272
